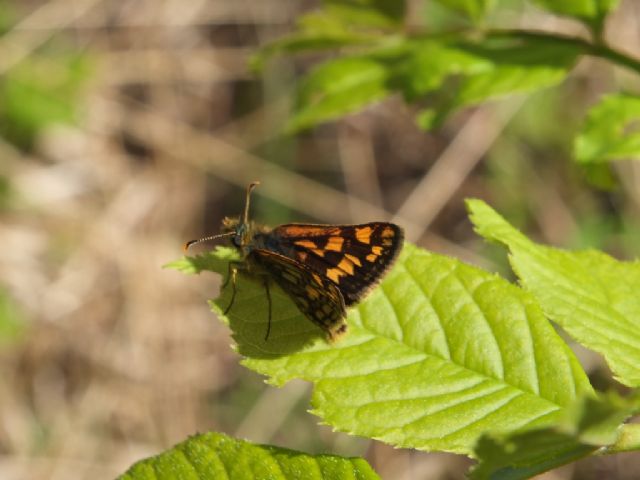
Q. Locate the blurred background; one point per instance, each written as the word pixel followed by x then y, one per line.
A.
pixel 130 126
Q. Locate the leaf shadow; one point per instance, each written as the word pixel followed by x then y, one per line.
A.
pixel 248 317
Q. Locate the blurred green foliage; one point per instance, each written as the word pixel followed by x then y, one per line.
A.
pixel 12 323
pixel 42 90
pixel 457 58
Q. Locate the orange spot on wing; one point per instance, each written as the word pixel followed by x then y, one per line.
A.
pixel 318 252
pixel 335 244
pixel 363 234
pixel 371 257
pixel 334 274
pixel 376 250
pixel 346 265
pixel 355 260
pixel 302 256
pixel 305 244
pixel 317 278
pixel 387 232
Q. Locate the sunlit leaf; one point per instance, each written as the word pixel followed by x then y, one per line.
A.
pixel 213 456
pixel 474 9
pixel 611 131
pixel 593 12
pixel 590 294
pixel 464 72
pixel 369 13
pixel 339 87
pixel 439 354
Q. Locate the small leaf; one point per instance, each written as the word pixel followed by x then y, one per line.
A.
pixel 471 71
pixel 512 65
pixel 474 9
pixel 592 12
pixel 212 456
pixel 611 131
pixel 367 13
pixel 588 425
pixel 591 295
pixel 573 8
pixel 338 87
pixel 439 354
pixel 316 31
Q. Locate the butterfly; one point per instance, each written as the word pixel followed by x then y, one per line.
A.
pixel 323 268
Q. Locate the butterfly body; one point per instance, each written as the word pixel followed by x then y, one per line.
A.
pixel 323 268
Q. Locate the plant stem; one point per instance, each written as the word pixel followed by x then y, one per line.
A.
pixel 600 50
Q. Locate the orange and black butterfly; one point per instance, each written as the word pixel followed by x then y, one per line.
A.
pixel 323 268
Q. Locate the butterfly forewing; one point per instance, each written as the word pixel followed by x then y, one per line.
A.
pixel 317 297
pixel 353 257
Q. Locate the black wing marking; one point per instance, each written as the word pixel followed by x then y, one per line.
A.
pixel 354 257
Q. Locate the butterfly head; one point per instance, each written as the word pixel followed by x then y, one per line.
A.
pixel 239 229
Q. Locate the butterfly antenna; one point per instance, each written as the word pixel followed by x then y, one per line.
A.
pixel 245 217
pixel 186 246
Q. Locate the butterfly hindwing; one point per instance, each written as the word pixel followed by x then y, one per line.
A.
pixel 353 257
pixel 316 296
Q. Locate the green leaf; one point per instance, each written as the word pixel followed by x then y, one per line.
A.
pixel 40 91
pixel 474 9
pixel 8 16
pixel 591 295
pixel 590 424
pixel 439 354
pixel 339 87
pixel 628 440
pixel 506 66
pixel 468 72
pixel 611 131
pixel 573 8
pixel 524 455
pixel 12 323
pixel 217 456
pixel 593 12
pixel 368 13
pixel 316 31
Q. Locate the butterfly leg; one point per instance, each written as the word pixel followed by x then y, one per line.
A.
pixel 231 266
pixel 266 287
pixel 232 275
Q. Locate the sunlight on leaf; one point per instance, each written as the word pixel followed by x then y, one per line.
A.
pixel 611 131
pixel 472 72
pixel 439 354
pixel 339 87
pixel 593 12
pixel 590 294
pixel 474 9
pixel 212 456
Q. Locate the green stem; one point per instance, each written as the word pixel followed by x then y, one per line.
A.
pixel 600 50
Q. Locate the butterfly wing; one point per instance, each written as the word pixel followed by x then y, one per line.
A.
pixel 317 297
pixel 353 257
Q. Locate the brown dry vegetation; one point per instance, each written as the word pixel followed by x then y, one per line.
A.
pixel 122 359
